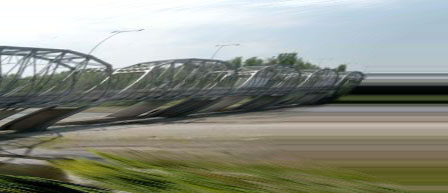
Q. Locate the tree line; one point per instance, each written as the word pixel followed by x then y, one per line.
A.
pixel 291 60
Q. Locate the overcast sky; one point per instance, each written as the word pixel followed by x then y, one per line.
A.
pixel 369 35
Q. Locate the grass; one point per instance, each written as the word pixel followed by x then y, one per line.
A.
pixel 424 175
pixel 36 170
pixel 24 184
pixel 148 173
pixel 142 171
pixel 393 99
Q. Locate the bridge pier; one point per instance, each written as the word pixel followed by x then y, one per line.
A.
pixel 311 99
pixel 138 109
pixel 259 103
pixel 9 112
pixel 41 119
pixel 184 108
pixel 223 103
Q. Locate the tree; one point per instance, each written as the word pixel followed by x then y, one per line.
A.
pixel 271 61
pixel 306 66
pixel 254 61
pixel 290 60
pixel 341 68
pixel 300 64
pixel 287 59
pixel 236 62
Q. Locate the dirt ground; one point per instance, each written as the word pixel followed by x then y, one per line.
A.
pixel 406 146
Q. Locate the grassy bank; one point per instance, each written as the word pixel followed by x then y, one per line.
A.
pixel 407 99
pixel 26 184
pixel 143 172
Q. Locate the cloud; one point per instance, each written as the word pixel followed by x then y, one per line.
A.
pixel 169 14
pixel 178 28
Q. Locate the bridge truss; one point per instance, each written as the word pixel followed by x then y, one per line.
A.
pixel 60 83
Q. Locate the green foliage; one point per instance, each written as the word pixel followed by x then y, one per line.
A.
pixel 287 59
pixel 254 61
pixel 237 62
pixel 57 82
pixel 152 174
pixel 22 184
pixel 341 68
pixel 306 66
pixel 271 61
pixel 283 59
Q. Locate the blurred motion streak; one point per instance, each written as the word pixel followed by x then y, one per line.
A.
pixel 60 83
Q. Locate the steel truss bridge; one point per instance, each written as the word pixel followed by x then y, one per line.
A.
pixel 60 83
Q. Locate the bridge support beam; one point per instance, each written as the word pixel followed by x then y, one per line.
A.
pixel 41 119
pixel 138 109
pixel 9 112
pixel 187 107
pixel 311 99
pixel 223 103
pixel 290 99
pixel 259 103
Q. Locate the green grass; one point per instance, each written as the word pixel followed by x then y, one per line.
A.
pixel 414 175
pixel 24 184
pixel 35 170
pixel 423 176
pixel 393 98
pixel 152 174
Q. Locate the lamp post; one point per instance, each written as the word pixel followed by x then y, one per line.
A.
pixel 220 46
pixel 114 33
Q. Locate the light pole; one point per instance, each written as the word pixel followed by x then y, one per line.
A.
pixel 114 33
pixel 220 46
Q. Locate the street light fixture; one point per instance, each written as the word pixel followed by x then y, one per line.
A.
pixel 114 33
pixel 220 46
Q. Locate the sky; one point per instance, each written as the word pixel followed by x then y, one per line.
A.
pixel 368 35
